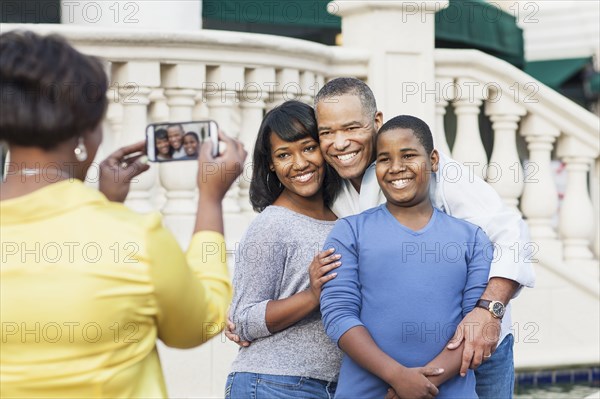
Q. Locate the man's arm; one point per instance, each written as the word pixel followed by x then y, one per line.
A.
pixel 468 197
pixel 501 289
pixel 471 199
pixel 479 330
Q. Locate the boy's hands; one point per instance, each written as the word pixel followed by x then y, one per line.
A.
pixel 413 383
pixel 322 263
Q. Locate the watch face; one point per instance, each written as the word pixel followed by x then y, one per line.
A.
pixel 498 309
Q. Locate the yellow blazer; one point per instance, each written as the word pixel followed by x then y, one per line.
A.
pixel 87 286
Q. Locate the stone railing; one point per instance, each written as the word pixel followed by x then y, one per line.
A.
pixel 551 127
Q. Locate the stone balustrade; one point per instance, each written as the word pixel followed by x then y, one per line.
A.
pixel 552 128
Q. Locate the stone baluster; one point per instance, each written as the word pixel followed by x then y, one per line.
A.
pixel 576 219
pixel 253 106
pixel 309 87
pixel 539 202
pixel 114 124
pixel 135 81
pixel 444 93
pixel 222 86
pixel 287 87
pixel 320 82
pixel 181 83
pixel 111 129
pixel 159 110
pixel 505 172
pixel 200 111
pixel 402 67
pixel 468 147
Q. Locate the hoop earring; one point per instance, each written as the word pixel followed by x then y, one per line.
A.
pixel 80 151
pixel 269 185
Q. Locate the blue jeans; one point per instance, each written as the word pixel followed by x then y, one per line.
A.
pixel 496 376
pixel 267 386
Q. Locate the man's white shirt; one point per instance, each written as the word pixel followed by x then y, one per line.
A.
pixel 180 153
pixel 455 190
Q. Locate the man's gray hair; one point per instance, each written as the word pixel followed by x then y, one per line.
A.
pixel 341 86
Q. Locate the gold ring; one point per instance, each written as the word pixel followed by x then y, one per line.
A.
pixel 123 165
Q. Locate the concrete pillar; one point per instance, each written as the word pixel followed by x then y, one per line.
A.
pixel 401 38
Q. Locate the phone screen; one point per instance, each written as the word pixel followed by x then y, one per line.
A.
pixel 179 141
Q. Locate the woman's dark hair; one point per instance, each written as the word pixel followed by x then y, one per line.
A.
pixel 161 134
pixel 49 92
pixel 291 121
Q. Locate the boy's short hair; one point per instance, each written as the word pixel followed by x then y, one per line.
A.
pixel 193 134
pixel 418 126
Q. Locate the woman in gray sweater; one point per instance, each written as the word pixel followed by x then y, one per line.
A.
pixel 278 277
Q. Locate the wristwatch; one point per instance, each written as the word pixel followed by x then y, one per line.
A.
pixel 496 308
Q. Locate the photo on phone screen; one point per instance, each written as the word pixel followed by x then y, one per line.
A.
pixel 179 141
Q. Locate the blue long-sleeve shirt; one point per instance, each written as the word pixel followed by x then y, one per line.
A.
pixel 410 289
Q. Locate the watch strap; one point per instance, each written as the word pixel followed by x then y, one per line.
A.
pixel 483 303
pixel 487 304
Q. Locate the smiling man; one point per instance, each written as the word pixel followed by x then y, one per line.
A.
pixel 348 121
pixel 175 134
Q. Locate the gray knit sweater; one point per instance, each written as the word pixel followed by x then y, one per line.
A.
pixel 272 262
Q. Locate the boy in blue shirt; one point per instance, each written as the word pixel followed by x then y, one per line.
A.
pixel 409 274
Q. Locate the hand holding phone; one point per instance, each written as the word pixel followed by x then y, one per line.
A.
pixel 119 168
pixel 216 175
pixel 180 141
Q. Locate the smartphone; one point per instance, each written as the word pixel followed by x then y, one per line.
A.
pixel 180 141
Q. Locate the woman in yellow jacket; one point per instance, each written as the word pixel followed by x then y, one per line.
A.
pixel 87 285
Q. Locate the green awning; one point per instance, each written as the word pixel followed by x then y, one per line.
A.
pixel 595 83
pixel 554 73
pixel 311 13
pixel 463 24
pixel 480 25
